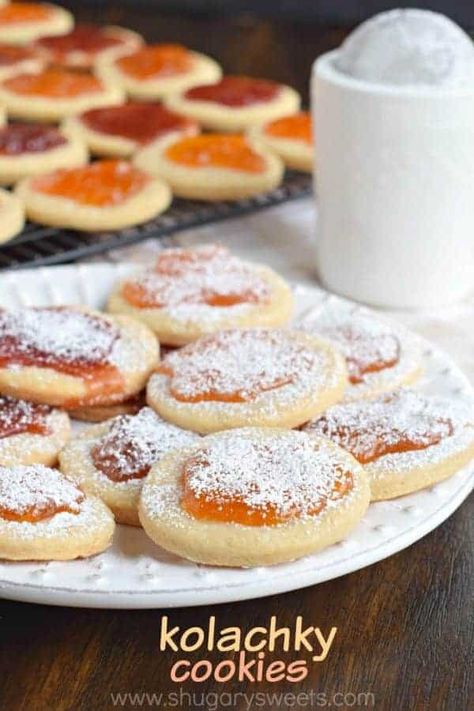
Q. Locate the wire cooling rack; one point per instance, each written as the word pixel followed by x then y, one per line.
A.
pixel 38 246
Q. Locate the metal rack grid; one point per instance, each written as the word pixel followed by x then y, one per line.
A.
pixel 39 246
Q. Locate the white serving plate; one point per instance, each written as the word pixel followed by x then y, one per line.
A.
pixel 134 573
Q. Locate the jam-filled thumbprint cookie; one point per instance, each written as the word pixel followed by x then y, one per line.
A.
pixel 191 292
pixel 31 433
pixel 99 413
pixel 291 137
pixel 105 195
pixel 52 94
pixel 253 496
pixel 71 357
pixel 18 60
pixel 85 45
pixel 405 440
pixel 23 22
pixel 45 516
pixel 157 70
pixel 235 103
pixel 12 216
pixel 112 460
pixel 380 355
pixel 33 149
pixel 256 377
pixel 120 131
pixel 213 167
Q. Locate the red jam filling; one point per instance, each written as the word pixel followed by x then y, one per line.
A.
pixel 18 138
pixel 137 121
pixel 231 152
pixel 19 417
pixel 90 39
pixel 54 84
pixel 156 62
pixel 235 92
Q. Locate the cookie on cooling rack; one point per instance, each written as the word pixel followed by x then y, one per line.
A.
pixel 291 137
pixel 255 377
pixel 380 355
pixel 191 292
pixel 105 195
pixel 45 516
pixel 33 149
pixel 23 22
pixel 253 496
pixel 86 44
pixel 52 94
pixel 405 440
pixel 73 357
pixel 12 216
pixel 120 131
pixel 157 70
pixel 213 167
pixel 30 433
pixel 18 60
pixel 112 460
pixel 235 103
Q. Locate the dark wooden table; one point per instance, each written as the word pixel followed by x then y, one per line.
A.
pixel 405 625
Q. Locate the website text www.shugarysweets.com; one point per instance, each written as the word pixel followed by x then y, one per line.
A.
pixel 245 653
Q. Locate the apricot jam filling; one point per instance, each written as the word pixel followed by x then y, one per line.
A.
pixel 293 128
pixel 230 151
pixel 262 482
pixel 137 121
pixel 208 276
pixel 31 494
pixel 54 84
pixel 20 416
pixel 156 62
pixel 105 183
pixel 369 346
pixel 134 443
pixel 391 424
pixel 67 341
pixel 18 138
pixel 24 12
pixel 89 39
pixel 236 366
pixel 235 92
pixel 10 54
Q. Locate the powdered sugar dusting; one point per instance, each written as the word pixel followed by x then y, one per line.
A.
pixel 17 416
pixel 135 442
pixel 238 365
pixel 56 334
pixel 416 424
pixel 204 283
pixel 37 489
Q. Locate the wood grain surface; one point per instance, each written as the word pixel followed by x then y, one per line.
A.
pixel 405 625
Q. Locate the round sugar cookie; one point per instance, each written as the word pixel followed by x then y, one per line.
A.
pixel 120 131
pixel 45 516
pixel 18 60
pixel 253 496
pixel 105 195
pixel 290 137
pixel 112 460
pixel 72 357
pixel 235 103
pixel 32 149
pixel 380 355
pixel 256 377
pixel 405 440
pixel 99 413
pixel 87 44
pixel 213 167
pixel 157 70
pixel 23 22
pixel 12 216
pixel 52 94
pixel 191 292
pixel 30 433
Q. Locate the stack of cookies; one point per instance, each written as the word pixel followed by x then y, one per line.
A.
pixel 70 93
pixel 231 436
